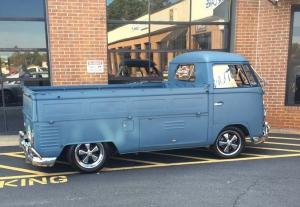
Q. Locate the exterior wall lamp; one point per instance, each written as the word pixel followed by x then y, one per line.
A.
pixel 275 2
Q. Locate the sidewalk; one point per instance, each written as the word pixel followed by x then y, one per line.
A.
pixel 9 140
pixel 13 140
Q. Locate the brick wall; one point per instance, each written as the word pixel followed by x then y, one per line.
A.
pixel 77 33
pixel 262 35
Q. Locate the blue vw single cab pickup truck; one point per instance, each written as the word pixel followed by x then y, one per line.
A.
pixel 211 99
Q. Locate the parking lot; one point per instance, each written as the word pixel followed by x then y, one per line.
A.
pixel 14 171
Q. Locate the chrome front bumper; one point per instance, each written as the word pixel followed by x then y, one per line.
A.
pixel 31 155
pixel 264 137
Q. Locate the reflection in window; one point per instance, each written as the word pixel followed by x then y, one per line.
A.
pixel 202 41
pixel 170 10
pixel 22 34
pixel 125 34
pixel 2 126
pixel 15 120
pixel 170 37
pixel 162 60
pixel 24 64
pixel 22 8
pixel 13 94
pixel 151 40
pixel 25 32
pixel 229 76
pixel 185 73
pixel 137 68
pixel 127 10
pixel 206 37
pixel 293 77
pixel 210 10
pixel 133 68
pixel 250 75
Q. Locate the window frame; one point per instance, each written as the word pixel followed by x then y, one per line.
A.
pixel 189 48
pixel 242 68
pixel 30 81
pixel 294 8
pixel 188 80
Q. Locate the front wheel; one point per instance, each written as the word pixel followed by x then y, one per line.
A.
pixel 229 143
pixel 88 157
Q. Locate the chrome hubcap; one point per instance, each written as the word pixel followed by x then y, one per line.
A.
pixel 229 142
pixel 89 155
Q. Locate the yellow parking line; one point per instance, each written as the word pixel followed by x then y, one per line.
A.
pixel 156 166
pixel 285 138
pixel 201 162
pixel 273 149
pixel 135 160
pixel 251 154
pixel 5 153
pixel 6 167
pixel 19 155
pixel 35 176
pixel 180 156
pixel 281 143
pixel 13 154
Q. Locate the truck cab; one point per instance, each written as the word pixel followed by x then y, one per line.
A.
pixel 211 99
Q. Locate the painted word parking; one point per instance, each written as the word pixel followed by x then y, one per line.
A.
pixel 15 173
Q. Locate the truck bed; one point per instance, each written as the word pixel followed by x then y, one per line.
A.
pixel 81 102
pixel 88 90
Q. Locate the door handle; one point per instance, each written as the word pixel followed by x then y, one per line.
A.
pixel 220 103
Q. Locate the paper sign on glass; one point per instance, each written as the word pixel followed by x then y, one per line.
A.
pixel 95 66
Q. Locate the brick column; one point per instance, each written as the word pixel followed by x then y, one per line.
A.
pixel 77 33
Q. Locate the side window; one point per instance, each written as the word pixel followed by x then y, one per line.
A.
pixel 185 73
pixel 250 75
pixel 229 76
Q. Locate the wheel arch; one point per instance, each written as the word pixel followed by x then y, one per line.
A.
pixel 110 145
pixel 219 128
pixel 242 127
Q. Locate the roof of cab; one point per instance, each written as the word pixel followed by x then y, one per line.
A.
pixel 208 56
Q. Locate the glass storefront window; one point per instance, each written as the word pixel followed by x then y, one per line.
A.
pixel 136 10
pixel 163 30
pixel 17 68
pixel 131 65
pixel 24 64
pixel 127 35
pixel 2 122
pixel 22 8
pixel 22 34
pixel 207 37
pixel 161 60
pixel 170 10
pixel 293 76
pixel 14 120
pixel 210 11
pixel 172 37
pixel 23 57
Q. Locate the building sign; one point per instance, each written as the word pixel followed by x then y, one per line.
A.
pixel 200 28
pixel 138 27
pixel 95 66
pixel 213 3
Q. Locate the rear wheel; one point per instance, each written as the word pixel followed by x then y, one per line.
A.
pixel 89 157
pixel 229 143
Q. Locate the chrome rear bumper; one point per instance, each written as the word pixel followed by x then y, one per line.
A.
pixel 264 137
pixel 31 155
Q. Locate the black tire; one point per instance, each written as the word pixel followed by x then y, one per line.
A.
pixel 229 143
pixel 83 157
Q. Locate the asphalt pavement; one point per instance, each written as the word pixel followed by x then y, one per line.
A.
pixel 264 175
